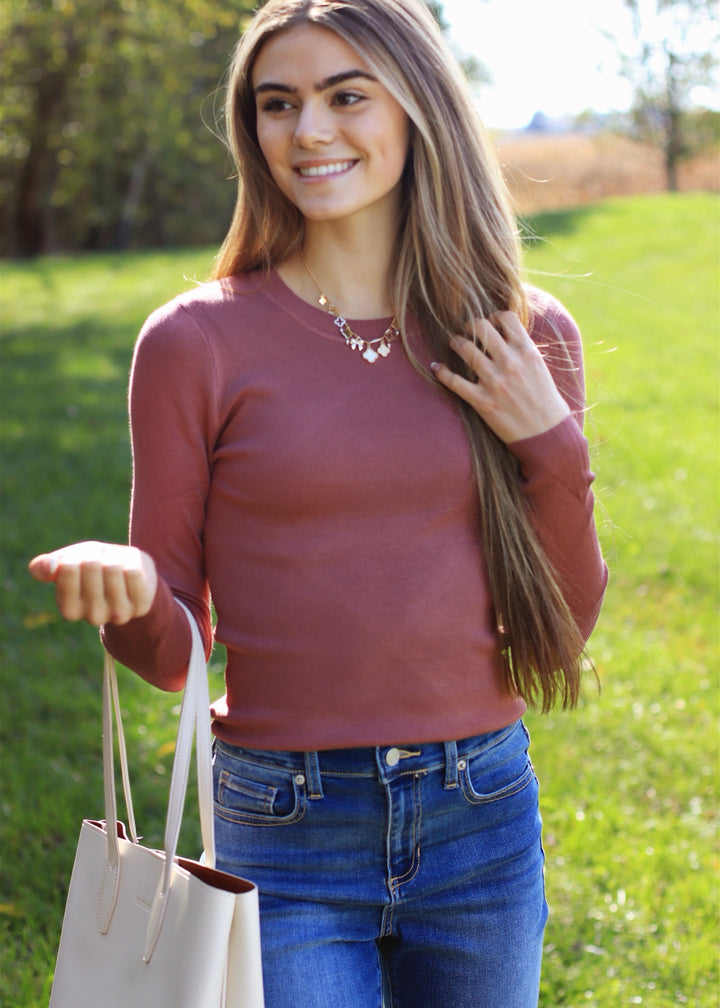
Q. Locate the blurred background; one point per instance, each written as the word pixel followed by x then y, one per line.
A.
pixel 111 109
pixel 115 192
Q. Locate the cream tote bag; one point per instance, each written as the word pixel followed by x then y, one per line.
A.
pixel 148 928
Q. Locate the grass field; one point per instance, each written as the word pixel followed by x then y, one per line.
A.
pixel 629 781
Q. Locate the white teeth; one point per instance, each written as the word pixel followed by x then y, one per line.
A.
pixel 327 169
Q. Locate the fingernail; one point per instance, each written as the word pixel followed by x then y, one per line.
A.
pixel 435 366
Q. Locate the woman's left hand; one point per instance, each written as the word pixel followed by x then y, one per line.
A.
pixel 514 392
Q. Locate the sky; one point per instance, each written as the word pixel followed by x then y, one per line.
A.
pixel 549 56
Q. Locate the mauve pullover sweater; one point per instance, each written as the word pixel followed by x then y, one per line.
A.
pixel 328 507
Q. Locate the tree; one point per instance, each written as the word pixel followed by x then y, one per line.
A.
pixel 102 112
pixel 476 71
pixel 101 122
pixel 674 53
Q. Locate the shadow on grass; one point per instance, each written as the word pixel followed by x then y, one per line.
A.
pixel 65 451
pixel 539 227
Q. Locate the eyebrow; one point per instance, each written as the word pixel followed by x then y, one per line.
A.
pixel 323 85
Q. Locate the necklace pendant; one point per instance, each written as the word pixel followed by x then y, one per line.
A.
pixel 370 355
pixel 368 351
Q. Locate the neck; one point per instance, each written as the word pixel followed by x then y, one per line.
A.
pixel 353 271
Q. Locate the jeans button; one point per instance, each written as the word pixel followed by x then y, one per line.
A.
pixel 392 757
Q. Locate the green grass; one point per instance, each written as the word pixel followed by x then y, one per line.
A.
pixel 629 781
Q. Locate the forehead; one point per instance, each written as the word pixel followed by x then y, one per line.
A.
pixel 305 53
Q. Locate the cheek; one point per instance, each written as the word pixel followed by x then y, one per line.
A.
pixel 265 142
pixel 273 139
pixel 270 149
pixel 398 151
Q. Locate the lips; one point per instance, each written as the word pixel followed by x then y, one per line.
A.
pixel 326 170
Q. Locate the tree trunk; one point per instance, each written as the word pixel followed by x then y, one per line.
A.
pixel 35 178
pixel 133 198
pixel 674 146
pixel 671 176
pixel 30 224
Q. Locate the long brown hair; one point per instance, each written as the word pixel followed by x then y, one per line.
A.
pixel 458 257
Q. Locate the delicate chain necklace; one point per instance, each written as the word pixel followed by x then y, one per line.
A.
pixel 369 349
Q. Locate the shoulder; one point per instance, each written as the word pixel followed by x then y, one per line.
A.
pixel 206 301
pixel 197 320
pixel 556 334
pixel 549 318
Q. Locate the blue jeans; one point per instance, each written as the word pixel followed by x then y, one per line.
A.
pixel 405 876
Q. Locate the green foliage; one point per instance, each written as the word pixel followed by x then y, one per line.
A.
pixel 629 781
pixel 111 113
pixel 675 51
pixel 101 123
pixel 702 129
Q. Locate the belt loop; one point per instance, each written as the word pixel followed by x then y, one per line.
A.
pixel 312 774
pixel 451 765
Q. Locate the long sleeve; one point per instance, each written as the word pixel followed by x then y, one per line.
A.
pixel 171 401
pixel 331 510
pixel 557 478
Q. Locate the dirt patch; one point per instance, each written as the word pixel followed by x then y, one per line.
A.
pixel 550 172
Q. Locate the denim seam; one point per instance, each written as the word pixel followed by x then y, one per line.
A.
pixel 451 766
pixel 248 818
pixel 245 818
pixel 266 799
pixel 313 776
pixel 298 764
pixel 507 792
pixel 489 745
pixel 396 881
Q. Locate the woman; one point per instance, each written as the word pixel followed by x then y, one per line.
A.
pixel 363 440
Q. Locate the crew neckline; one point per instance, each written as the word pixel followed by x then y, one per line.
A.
pixel 314 317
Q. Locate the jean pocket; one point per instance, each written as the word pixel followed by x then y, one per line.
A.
pixel 473 790
pixel 257 795
pixel 498 771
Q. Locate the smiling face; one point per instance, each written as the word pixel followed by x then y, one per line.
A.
pixel 334 138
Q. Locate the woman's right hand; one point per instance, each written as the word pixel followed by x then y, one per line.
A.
pixel 99 582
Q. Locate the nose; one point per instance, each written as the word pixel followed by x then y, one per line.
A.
pixel 313 126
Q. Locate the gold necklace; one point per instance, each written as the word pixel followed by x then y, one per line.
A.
pixel 370 350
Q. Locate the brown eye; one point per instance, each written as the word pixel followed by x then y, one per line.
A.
pixel 347 98
pixel 276 105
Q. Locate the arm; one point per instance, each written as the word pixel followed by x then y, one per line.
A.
pixel 172 421
pixel 530 392
pixel 556 477
pixel 130 590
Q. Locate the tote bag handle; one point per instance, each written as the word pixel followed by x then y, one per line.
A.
pixel 194 722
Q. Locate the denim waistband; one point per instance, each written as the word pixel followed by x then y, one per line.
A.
pixel 385 762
